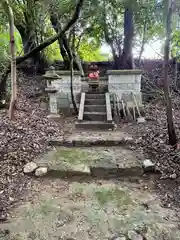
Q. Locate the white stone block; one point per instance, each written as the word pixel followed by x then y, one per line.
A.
pixel 53 103
pixel 125 82
pixel 63 84
pixel 148 165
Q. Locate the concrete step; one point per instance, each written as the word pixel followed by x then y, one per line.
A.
pixel 97 91
pixel 95 101
pixel 95 116
pixel 95 108
pixel 95 96
pixel 94 125
pixel 88 137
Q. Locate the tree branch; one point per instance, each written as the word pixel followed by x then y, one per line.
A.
pixel 43 45
pixel 54 38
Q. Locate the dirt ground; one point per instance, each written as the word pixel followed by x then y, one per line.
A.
pixel 100 209
pixel 87 208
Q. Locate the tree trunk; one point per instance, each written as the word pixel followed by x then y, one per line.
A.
pixel 117 62
pixel 64 45
pixel 168 101
pixel 56 27
pixel 69 52
pixel 175 73
pixel 142 44
pixel 66 54
pixel 29 43
pixel 127 57
pixel 72 93
pixel 13 58
pixel 39 48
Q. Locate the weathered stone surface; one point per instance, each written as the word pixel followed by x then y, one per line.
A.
pixel 90 138
pixel 82 168
pixel 121 237
pixel 62 84
pixel 132 235
pixel 148 165
pixel 104 162
pixel 128 139
pixel 30 167
pixel 141 120
pixel 41 171
pixel 125 82
pixel 55 117
pixel 173 176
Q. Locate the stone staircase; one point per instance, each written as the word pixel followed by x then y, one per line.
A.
pixel 95 111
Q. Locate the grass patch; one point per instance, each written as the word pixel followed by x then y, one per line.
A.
pixel 76 156
pixel 114 195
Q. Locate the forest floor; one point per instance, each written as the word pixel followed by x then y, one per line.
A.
pixel 57 209
pixel 26 137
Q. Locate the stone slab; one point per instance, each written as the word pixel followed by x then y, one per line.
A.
pixel 93 138
pixel 93 108
pixel 94 125
pixel 81 107
pixel 95 162
pixel 125 72
pixel 95 116
pixel 108 108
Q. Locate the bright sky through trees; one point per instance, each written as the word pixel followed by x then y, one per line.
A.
pixel 152 50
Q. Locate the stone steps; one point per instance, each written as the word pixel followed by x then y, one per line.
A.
pixel 95 101
pixel 95 111
pixel 93 138
pixel 94 108
pixel 95 96
pixel 105 163
pixel 94 125
pixel 95 116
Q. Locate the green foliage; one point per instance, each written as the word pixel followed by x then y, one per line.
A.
pixel 89 50
pixel 175 47
pixel 89 55
pixel 101 21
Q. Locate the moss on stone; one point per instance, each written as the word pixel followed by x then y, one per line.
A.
pixel 75 155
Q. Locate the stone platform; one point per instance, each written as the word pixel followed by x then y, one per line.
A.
pixel 101 162
pixel 93 138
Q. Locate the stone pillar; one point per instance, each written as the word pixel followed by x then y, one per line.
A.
pixel 125 82
pixel 51 77
pixel 53 103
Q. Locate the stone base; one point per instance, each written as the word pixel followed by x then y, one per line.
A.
pixel 55 117
pixel 66 162
pixel 123 83
pixel 104 138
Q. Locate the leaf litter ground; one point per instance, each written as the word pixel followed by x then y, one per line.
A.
pixel 26 137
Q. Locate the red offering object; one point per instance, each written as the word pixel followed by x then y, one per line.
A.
pixel 94 75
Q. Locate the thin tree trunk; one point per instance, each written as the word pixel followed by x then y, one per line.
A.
pixel 72 93
pixel 29 42
pixel 175 73
pixel 13 58
pixel 143 43
pixel 127 57
pixel 64 45
pixel 168 101
pixel 56 27
pixel 39 48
